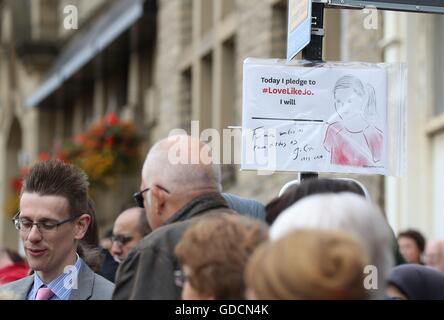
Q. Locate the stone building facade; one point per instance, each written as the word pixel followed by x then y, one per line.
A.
pixel 181 60
pixel 415 200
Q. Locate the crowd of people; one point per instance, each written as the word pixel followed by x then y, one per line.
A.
pixel 186 239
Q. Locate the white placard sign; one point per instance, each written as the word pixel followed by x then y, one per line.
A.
pixel 328 118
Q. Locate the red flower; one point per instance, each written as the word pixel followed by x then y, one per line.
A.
pixel 24 171
pixel 79 139
pixel 91 144
pixel 111 119
pixel 16 184
pixel 109 141
pixel 43 156
pixel 60 156
pixel 98 130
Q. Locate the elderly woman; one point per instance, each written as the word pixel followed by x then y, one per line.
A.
pixel 308 264
pixel 214 252
pixel 349 213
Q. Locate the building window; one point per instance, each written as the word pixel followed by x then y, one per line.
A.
pixel 228 94
pixel 68 114
pixel 228 6
pixel 116 70
pixel 49 19
pixel 186 101
pixel 3 18
pixel 87 104
pixel 438 185
pixel 439 72
pixel 206 92
pixel 228 103
pixel 279 30
pixel 206 16
pixel 186 22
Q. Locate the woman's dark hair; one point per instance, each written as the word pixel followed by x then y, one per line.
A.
pixel 91 237
pixel 415 236
pixel 307 188
pixel 88 248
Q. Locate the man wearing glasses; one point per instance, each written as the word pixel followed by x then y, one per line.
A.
pixel 180 183
pixel 52 220
pixel 129 228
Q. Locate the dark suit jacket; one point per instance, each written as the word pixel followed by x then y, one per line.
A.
pixel 91 286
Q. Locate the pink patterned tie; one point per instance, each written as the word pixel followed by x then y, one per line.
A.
pixel 44 294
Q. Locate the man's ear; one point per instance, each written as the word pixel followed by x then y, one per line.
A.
pixel 81 226
pixel 157 201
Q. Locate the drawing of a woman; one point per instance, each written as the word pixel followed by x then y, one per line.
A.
pixel 354 139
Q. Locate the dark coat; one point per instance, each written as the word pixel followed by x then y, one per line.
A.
pixel 109 266
pixel 148 272
pixel 418 282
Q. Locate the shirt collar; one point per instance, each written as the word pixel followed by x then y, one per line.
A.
pixel 60 286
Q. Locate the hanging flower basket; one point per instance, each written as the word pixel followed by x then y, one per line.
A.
pixel 107 149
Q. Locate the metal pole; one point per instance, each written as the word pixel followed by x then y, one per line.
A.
pixel 313 52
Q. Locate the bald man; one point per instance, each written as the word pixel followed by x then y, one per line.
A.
pixel 435 255
pixel 129 228
pixel 180 183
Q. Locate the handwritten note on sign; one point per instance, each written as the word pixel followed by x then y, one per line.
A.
pixel 328 118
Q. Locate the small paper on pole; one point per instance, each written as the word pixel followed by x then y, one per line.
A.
pixel 299 26
pixel 328 118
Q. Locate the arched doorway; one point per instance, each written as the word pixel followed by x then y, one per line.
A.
pixel 13 162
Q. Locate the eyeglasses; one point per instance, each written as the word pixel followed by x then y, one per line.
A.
pixel 138 196
pixel 180 278
pixel 121 239
pixel 26 225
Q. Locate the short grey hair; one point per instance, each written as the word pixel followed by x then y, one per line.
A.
pixel 351 214
pixel 181 176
